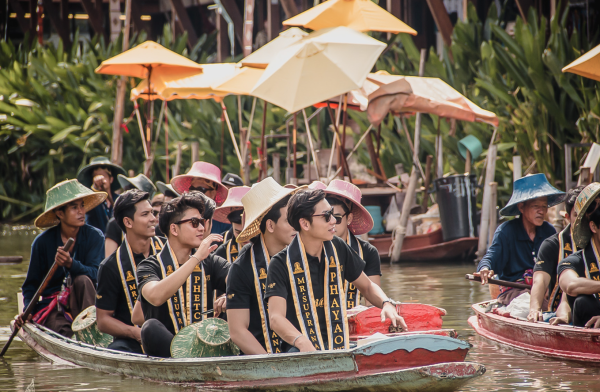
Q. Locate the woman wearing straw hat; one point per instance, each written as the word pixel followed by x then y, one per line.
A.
pixel 579 274
pixel 352 219
pixel 64 215
pixel 513 252
pixel 231 212
pixel 267 229
pixel 305 292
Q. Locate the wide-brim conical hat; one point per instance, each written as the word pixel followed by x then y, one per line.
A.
pixel 140 182
pixel 317 185
pixel 258 202
pixel 162 188
pixel 64 193
pixel 581 228
pixel 233 202
pixel 206 171
pixel 86 178
pixel 362 221
pixel 532 187
pixel 207 338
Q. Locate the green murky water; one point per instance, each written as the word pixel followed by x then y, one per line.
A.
pixel 440 284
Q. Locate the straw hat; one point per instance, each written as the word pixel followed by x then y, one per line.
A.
pixel 233 202
pixel 531 187
pixel 317 185
pixel 290 186
pixel 140 182
pixel 64 193
pixel 203 170
pixel 581 227
pixel 258 202
pixel 207 338
pixel 85 175
pixel 163 188
pixel 362 222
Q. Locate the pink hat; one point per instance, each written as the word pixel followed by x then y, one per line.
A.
pixel 290 186
pixel 362 222
pixel 317 185
pixel 233 202
pixel 203 170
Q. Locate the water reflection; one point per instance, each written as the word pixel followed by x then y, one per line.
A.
pixel 439 284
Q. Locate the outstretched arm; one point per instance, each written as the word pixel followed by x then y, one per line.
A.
pixel 375 295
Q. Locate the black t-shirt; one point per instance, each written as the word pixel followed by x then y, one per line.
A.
pixel 371 258
pixel 114 232
pixel 221 251
pixel 278 281
pixel 547 259
pixel 215 269
pixel 110 294
pixel 574 262
pixel 241 292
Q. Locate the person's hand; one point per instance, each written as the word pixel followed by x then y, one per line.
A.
pixel 593 323
pixel 100 183
pixel 535 315
pixel 63 258
pixel 304 345
pixel 19 320
pixel 389 312
pixel 206 248
pixel 220 305
pixel 558 321
pixel 484 274
pixel 136 333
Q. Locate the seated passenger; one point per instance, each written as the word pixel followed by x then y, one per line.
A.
pixel 178 285
pixel 579 274
pixel 117 286
pixel 516 243
pixel 66 205
pixel 269 232
pixel 231 212
pixel 553 250
pixel 305 281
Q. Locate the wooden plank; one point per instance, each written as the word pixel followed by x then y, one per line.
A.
pixel 184 22
pixel 236 17
pixel 95 17
pixel 273 24
pixel 23 23
pixel 442 19
pixel 248 27
pixel 61 26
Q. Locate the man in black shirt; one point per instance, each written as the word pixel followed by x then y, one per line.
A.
pixel 352 219
pixel 268 230
pixel 552 251
pixel 178 285
pixel 578 274
pixel 117 287
pixel 305 293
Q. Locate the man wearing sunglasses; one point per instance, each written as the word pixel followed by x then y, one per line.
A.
pixel 117 291
pixel 352 220
pixel 178 284
pixel 305 292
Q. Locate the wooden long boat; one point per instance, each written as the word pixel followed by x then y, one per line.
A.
pixel 556 341
pixel 410 362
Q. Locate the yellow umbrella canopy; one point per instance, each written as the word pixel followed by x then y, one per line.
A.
pixel 361 15
pixel 324 64
pixel 587 65
pixel 160 77
pixel 263 56
pixel 401 94
pixel 201 86
pixel 137 61
pixel 242 82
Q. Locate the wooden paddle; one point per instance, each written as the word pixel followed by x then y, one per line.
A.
pixel 499 282
pixel 36 297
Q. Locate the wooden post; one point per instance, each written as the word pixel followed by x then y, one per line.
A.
pixel 248 27
pixel 485 208
pixel 442 19
pixel 177 160
pixel 585 176
pixel 263 144
pixel 517 167
pixel 493 212
pixel 294 142
pixel 400 230
pixel 273 19
pixel 468 162
pixel 195 154
pixel 373 155
pixel 568 167
pixel 440 158
pixel 223 50
pixel 277 167
pixel 428 165
pixel 115 20
pixel 312 147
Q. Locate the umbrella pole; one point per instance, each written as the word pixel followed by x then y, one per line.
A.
pixel 141 127
pixel 295 131
pixel 160 119
pixel 245 145
pixel 237 150
pixel 312 148
pixel 362 138
pixel 263 153
pixel 343 163
pixel 167 142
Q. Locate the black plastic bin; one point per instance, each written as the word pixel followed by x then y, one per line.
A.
pixel 456 199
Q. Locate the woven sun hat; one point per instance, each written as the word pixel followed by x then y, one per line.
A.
pixel 233 202
pixel 86 177
pixel 232 180
pixel 532 187
pixel 317 185
pixel 258 202
pixel 206 171
pixel 64 193
pixel 290 186
pixel 163 188
pixel 581 227
pixel 140 182
pixel 362 222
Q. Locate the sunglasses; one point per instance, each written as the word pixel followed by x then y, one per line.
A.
pixel 327 215
pixel 201 189
pixel 338 218
pixel 195 222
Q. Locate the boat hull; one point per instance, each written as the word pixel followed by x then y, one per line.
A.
pixel 564 342
pixel 420 250
pixel 416 361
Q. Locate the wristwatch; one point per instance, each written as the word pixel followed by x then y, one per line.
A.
pixel 391 301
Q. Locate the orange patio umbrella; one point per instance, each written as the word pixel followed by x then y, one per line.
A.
pixel 587 65
pixel 361 15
